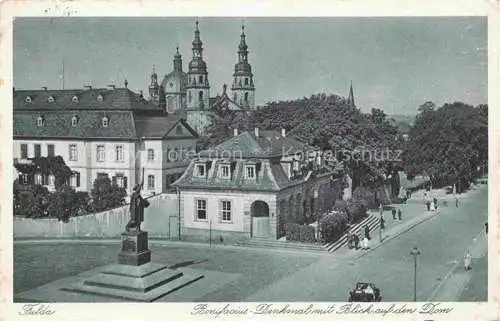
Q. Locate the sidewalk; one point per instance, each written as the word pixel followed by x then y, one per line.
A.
pixel 455 281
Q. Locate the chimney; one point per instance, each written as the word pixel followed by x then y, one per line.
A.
pixel 44 89
pixel 283 132
pixel 235 132
pixel 256 131
pixel 141 94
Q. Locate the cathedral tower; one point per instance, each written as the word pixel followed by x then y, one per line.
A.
pixel 174 86
pixel 154 88
pixel 198 88
pixel 350 100
pixel 243 88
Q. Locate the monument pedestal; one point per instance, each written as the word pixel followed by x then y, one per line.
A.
pixel 134 249
pixel 135 278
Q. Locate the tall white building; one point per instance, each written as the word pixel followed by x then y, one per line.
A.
pixel 102 131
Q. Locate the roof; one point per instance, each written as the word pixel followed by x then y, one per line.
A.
pixel 130 117
pixel 160 127
pixel 268 144
pixel 87 99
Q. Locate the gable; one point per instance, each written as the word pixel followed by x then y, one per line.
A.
pixel 181 130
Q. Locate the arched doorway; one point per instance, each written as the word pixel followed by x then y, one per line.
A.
pixel 260 219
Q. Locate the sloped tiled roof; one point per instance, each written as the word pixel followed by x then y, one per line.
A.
pixel 112 99
pixel 89 125
pixel 161 126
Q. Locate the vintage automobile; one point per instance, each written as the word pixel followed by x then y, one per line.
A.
pixel 365 292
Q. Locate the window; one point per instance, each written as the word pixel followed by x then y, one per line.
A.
pixel 189 96
pixel 99 98
pixel 250 172
pixel 38 150
pixel 151 182
pixel 23 178
pixel 101 155
pixel 225 211
pixel 201 209
pixel 151 155
pixel 234 97
pixel 120 180
pixel 73 153
pixel 246 97
pixel 75 180
pixel 24 151
pixel 52 180
pixel 74 99
pixel 38 179
pixel 200 170
pixel 39 121
pixel 200 79
pixel 119 153
pixel 246 81
pixel 200 96
pixel 74 121
pixel 224 171
pixel 51 150
pixel 51 99
pixel 170 103
pixel 105 121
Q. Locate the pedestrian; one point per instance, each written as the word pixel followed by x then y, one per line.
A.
pixel 393 213
pixel 349 240
pixel 486 227
pixel 382 222
pixel 408 194
pixel 367 232
pixel 356 241
pixel 400 214
pixel 456 201
pixel 467 260
pixel 428 204
pixel 365 243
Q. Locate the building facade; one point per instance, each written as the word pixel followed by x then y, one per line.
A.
pixel 253 184
pixel 102 131
pixel 188 93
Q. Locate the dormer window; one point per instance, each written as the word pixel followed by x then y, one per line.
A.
pixel 250 171
pixel 27 99
pixel 74 99
pixel 200 170
pixel 51 99
pixel 74 121
pixel 105 121
pixel 100 98
pixel 225 171
pixel 39 121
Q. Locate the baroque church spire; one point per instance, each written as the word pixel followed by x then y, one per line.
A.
pixel 350 100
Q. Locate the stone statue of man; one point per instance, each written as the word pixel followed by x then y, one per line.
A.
pixel 137 205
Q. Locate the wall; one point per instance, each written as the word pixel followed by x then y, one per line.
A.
pixel 161 220
pixel 241 207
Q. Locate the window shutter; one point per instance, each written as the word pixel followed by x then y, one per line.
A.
pixel 77 179
pixel 125 185
pixel 221 208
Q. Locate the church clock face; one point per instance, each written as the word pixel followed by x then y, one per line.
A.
pixel 197 54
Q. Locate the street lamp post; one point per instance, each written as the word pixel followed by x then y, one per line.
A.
pixel 415 252
pixel 380 222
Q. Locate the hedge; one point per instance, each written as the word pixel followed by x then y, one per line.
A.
pixel 333 226
pixel 299 233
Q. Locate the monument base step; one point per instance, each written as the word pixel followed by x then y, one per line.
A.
pixel 145 283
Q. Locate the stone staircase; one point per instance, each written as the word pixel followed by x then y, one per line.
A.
pixel 276 244
pixel 372 221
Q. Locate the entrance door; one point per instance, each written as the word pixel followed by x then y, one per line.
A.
pixel 260 219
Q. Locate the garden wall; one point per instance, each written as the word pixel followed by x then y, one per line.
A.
pixel 160 220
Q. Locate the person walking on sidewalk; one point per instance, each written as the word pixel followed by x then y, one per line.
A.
pixel 367 232
pixel 382 222
pixel 400 214
pixel 356 241
pixel 365 243
pixel 467 260
pixel 456 201
pixel 393 213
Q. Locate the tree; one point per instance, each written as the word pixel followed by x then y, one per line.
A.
pixel 448 144
pixel 63 203
pixel 106 195
pixel 51 165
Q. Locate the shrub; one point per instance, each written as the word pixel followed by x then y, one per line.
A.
pixel 105 195
pixel 300 233
pixel 333 226
pixel 356 210
pixel 364 196
pixel 63 203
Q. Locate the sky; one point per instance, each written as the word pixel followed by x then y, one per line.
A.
pixel 394 63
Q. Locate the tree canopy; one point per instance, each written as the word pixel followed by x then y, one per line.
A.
pixel 448 143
